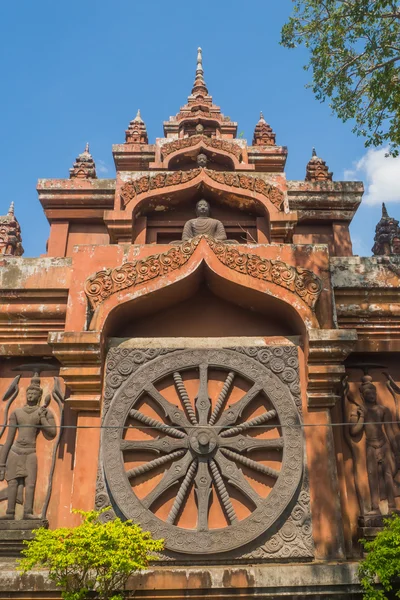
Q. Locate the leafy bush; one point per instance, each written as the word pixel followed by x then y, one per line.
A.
pixel 92 557
pixel 382 563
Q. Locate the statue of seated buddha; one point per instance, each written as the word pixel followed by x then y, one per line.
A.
pixel 203 224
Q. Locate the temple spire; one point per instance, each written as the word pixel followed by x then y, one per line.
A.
pixel 317 169
pixel 387 235
pixel 84 166
pixel 263 134
pixel 10 239
pixel 199 87
pixel 136 132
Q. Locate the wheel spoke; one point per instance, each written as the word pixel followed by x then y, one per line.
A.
pixel 183 395
pixel 153 464
pixel 222 397
pixel 182 493
pixel 236 478
pixel 203 483
pixel 174 414
pixel 264 418
pixel 251 464
pixel 174 474
pixel 203 403
pixel 223 493
pixel 154 424
pixel 233 412
pixel 164 444
pixel 242 443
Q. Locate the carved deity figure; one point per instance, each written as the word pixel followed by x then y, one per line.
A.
pixel 381 445
pixel 203 224
pixel 18 459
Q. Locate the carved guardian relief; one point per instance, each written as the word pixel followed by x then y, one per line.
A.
pixel 204 448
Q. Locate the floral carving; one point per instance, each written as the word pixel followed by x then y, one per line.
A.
pixel 107 282
pixel 200 112
pixel 248 182
pixel 217 144
pixel 143 184
pixel 303 282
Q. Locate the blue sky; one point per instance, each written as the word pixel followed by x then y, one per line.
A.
pixel 77 71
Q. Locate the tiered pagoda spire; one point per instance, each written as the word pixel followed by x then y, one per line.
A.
pixel 136 132
pixel 10 234
pixel 263 134
pixel 387 235
pixel 317 170
pixel 84 166
pixel 200 115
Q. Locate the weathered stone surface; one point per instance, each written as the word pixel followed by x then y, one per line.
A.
pixel 317 581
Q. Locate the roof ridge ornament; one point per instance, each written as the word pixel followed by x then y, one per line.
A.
pixel 387 235
pixel 136 132
pixel 263 133
pixel 316 169
pixel 10 234
pixel 84 166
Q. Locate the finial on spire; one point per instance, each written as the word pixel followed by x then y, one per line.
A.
pixel 384 211
pixel 138 118
pixel 199 87
pixel 261 116
pixel 199 68
pixel 314 152
pixel 11 209
pixel 87 151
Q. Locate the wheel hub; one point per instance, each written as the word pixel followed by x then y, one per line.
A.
pixel 203 441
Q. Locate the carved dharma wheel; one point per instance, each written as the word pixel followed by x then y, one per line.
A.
pixel 203 447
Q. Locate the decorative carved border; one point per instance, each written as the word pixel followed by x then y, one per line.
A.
pixel 103 284
pixel 251 183
pixel 143 184
pixel 303 282
pixel 216 143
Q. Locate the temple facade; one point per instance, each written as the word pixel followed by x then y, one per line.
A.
pixel 200 351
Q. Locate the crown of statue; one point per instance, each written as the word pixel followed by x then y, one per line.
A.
pixel 35 384
pixel 366 383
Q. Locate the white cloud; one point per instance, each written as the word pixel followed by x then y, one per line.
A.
pixel 101 166
pixel 381 176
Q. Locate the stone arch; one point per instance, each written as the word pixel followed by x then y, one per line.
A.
pixel 246 191
pixel 178 280
pixel 226 152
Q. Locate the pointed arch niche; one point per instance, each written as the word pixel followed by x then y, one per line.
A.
pixel 203 305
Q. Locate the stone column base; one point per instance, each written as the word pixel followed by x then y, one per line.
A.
pixel 13 534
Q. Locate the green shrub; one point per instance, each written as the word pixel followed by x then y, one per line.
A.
pixel 92 557
pixel 382 563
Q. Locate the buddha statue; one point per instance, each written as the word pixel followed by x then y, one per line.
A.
pixel 203 224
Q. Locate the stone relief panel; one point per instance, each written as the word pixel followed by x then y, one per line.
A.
pixel 30 433
pixel 372 433
pixel 204 448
